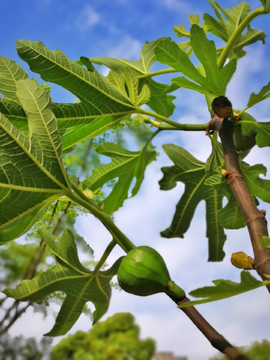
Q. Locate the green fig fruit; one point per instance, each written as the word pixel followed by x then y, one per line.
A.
pixel 143 272
pixel 244 135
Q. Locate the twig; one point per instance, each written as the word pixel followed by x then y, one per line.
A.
pixel 215 338
pixel 17 314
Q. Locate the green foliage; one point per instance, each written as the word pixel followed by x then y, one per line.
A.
pixel 195 191
pixel 90 87
pixel 224 289
pixel 46 148
pixel 125 165
pixel 244 135
pixel 256 351
pixel 225 29
pixel 215 80
pixel 116 338
pixel 69 276
pixel 14 259
pixel 159 100
pixel 48 178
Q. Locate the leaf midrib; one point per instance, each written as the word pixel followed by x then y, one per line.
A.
pixel 81 78
pixel 188 202
pixel 29 154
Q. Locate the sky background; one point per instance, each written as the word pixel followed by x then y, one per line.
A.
pixel 119 29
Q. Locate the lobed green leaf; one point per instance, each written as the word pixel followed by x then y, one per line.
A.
pixel 230 216
pixel 159 100
pixel 225 29
pixel 192 173
pixel 125 166
pixel 257 186
pixel 139 67
pixel 78 283
pixel 10 73
pixel 215 80
pixel 31 170
pixel 262 95
pixel 223 289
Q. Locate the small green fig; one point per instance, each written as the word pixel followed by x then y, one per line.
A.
pixel 244 135
pixel 143 272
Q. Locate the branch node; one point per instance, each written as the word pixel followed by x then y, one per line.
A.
pixel 209 131
pixel 233 175
pixel 255 218
pixel 257 266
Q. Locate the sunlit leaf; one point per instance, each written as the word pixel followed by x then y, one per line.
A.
pixel 263 134
pixel 125 166
pixel 129 85
pixel 223 289
pixel 88 131
pixel 68 115
pixel 159 100
pixel 31 170
pixel 230 216
pixel 10 73
pixel 215 80
pixel 138 67
pixel 98 97
pixel 14 112
pixel 182 32
pixel 78 283
pixel 224 29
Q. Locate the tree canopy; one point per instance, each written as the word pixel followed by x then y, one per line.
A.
pixel 116 338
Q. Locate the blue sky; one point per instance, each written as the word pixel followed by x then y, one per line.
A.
pixel 119 28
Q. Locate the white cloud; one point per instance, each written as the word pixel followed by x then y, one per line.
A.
pixel 176 5
pixel 126 47
pixel 87 18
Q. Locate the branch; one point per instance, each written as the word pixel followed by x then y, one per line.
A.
pixel 17 314
pixel 235 36
pixel 215 338
pixel 254 218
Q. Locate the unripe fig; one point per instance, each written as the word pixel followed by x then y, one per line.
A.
pixel 143 272
pixel 244 135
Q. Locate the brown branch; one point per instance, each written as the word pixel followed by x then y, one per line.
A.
pixel 216 339
pixel 17 314
pixel 254 218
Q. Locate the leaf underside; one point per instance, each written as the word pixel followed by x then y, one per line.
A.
pixel 78 283
pixel 224 28
pixel 223 289
pixel 32 174
pixel 125 166
pixel 192 173
pixel 214 82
